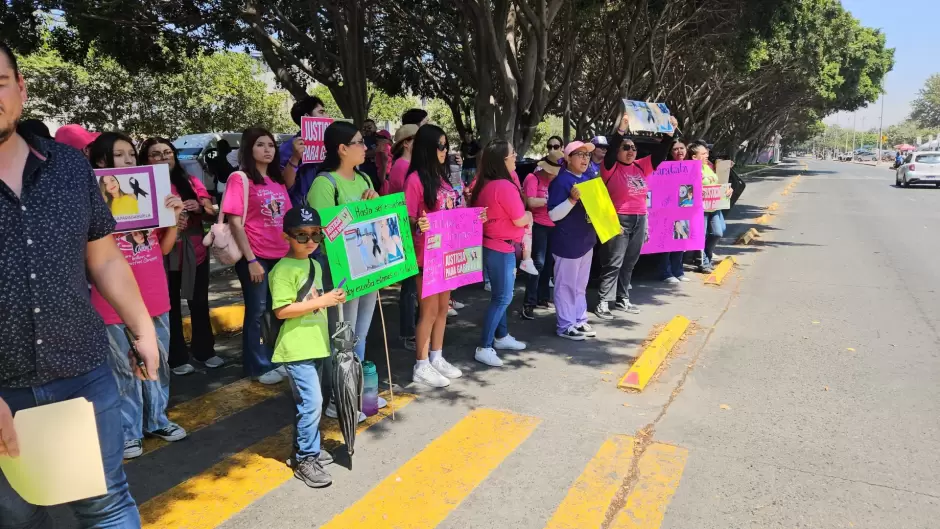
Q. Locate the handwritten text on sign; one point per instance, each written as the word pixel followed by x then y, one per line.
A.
pixel 676 217
pixel 311 131
pixel 453 255
pixel 717 197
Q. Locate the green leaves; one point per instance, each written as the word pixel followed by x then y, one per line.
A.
pixel 926 108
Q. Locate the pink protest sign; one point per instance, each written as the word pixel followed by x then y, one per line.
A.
pixel 311 131
pixel 453 252
pixel 676 216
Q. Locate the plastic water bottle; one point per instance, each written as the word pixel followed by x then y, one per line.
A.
pixel 370 389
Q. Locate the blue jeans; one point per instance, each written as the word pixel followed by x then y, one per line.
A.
pixel 114 510
pixel 670 265
pixel 536 287
pixel 714 230
pixel 501 266
pixel 143 403
pixel 358 313
pixel 256 357
pixel 305 386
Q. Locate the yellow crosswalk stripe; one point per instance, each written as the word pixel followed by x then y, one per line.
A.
pixel 205 410
pixel 660 469
pixel 591 494
pixel 208 499
pixel 423 491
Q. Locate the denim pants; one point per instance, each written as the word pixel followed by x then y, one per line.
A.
pixel 714 230
pixel 256 357
pixel 116 509
pixel 502 278
pixel 571 279
pixel 536 287
pixel 670 265
pixel 308 399
pixel 408 307
pixel 203 341
pixel 618 257
pixel 143 402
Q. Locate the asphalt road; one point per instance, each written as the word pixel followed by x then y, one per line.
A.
pixel 805 395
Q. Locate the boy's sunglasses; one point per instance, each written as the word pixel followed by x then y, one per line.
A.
pixel 627 147
pixel 304 238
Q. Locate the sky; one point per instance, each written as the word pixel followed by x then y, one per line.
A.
pixel 912 30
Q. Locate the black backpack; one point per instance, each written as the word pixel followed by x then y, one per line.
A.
pixel 271 324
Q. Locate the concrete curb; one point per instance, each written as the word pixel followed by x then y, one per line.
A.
pixel 225 319
pixel 748 236
pixel 721 271
pixel 652 357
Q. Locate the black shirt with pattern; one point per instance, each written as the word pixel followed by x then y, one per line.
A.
pixel 49 328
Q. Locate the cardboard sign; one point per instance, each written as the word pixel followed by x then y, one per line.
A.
pixel 676 211
pixel 311 131
pixel 723 170
pixel 135 196
pixel 453 251
pixel 600 209
pixel 646 116
pixel 371 246
pixel 716 197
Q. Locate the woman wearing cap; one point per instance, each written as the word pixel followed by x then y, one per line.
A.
pixel 572 242
pixel 535 188
pixel 625 177
pixel 714 219
pixel 597 157
pixel 671 262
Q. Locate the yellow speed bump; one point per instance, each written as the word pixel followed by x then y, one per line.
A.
pixel 721 271
pixel 228 318
pixel 748 236
pixel 773 207
pixel 763 219
pixel 650 359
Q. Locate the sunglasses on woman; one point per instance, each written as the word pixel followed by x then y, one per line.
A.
pixel 553 147
pixel 442 147
pixel 627 147
pixel 303 237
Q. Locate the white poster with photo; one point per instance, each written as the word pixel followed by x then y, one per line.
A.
pixel 135 196
pixel 646 116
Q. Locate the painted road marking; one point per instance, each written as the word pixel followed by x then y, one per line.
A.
pixel 208 499
pixel 226 318
pixel 763 219
pixel 773 207
pixel 194 415
pixel 721 271
pixel 424 491
pixel 590 495
pixel 650 359
pixel 660 469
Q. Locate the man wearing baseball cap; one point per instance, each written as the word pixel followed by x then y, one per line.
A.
pixel 76 136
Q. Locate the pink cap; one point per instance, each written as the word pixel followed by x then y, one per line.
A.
pixel 384 134
pixel 75 136
pixel 575 145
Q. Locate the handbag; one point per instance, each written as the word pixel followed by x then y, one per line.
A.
pixel 271 324
pixel 220 240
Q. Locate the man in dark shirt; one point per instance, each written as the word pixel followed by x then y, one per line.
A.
pixel 54 227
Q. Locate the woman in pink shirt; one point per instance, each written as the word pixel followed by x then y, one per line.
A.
pixel 535 188
pixel 143 403
pixel 188 262
pixel 427 190
pixel 257 232
pixel 496 190
pixel 401 159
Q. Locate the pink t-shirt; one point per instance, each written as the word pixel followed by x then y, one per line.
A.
pixel 396 177
pixel 627 185
pixel 195 218
pixel 146 261
pixel 414 199
pixel 264 224
pixel 536 186
pixel 503 203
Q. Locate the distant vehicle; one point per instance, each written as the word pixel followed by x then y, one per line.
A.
pixel 921 167
pixel 865 156
pixel 192 152
pixel 845 157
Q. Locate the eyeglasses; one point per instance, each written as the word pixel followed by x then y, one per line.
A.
pixel 304 238
pixel 553 147
pixel 165 155
pixel 627 147
pixel 442 147
pixel 580 154
pixel 360 142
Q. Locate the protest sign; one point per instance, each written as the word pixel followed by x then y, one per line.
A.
pixel 135 196
pixel 723 170
pixel 311 131
pixel 600 209
pixel 676 213
pixel 368 244
pixel 645 116
pixel 453 251
pixel 716 197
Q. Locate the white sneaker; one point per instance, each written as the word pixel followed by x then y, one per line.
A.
pixel 427 375
pixel 331 411
pixel 684 279
pixel 133 448
pixel 456 304
pixel 184 369
pixel 671 280
pixel 282 371
pixel 716 258
pixel 528 266
pixel 445 368
pixel 508 342
pixel 270 378
pixel 214 362
pixel 488 356
pixel 382 403
pixel 451 311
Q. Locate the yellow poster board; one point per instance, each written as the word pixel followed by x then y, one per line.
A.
pixel 600 209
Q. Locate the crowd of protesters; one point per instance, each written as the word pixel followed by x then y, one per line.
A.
pixel 110 291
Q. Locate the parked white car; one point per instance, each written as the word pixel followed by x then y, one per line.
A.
pixel 920 167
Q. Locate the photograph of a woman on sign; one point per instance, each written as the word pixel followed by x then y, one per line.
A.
pixel 685 196
pixel 119 201
pixel 373 245
pixel 390 240
pixel 681 230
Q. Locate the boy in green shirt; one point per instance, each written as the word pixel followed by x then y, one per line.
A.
pixel 304 337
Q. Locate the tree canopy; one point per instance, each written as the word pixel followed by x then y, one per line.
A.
pixel 926 108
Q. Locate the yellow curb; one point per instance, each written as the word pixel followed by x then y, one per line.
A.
pixel 723 269
pixel 650 359
pixel 773 207
pixel 763 219
pixel 748 236
pixel 228 318
pixel 786 192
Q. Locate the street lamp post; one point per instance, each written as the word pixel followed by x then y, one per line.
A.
pixel 881 123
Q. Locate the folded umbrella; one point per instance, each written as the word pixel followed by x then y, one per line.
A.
pixel 347 382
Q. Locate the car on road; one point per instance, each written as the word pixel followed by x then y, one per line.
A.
pixel 865 156
pixel 920 167
pixel 845 157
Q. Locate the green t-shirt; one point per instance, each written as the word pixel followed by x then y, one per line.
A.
pixel 322 194
pixel 305 337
